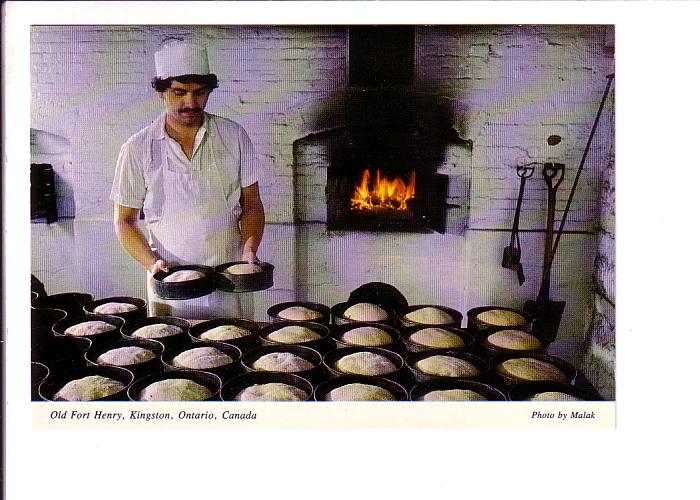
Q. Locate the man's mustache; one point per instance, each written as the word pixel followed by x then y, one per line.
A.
pixel 191 110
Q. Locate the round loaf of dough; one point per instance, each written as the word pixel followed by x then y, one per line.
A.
pixel 293 334
pixel 359 392
pixel 175 389
pixel 364 311
pixel 553 396
pixel 157 331
pixel 367 336
pixel 438 338
pixel 225 332
pixel 502 317
pixel 446 366
pixel 88 328
pixel 183 275
pixel 282 362
pixel 515 340
pixel 114 308
pixel 273 391
pixel 530 369
pixel 453 395
pixel 430 316
pixel 89 389
pixel 365 363
pixel 202 358
pixel 125 356
pixel 244 268
pixel 299 313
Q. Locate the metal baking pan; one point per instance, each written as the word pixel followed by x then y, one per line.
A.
pixel 71 302
pixel 478 326
pixel 488 391
pixel 185 289
pixel 323 311
pixel 208 380
pixel 396 389
pixel 235 386
pixel 507 380
pixel 61 326
pixel 523 392
pixel 420 376
pixel 141 311
pixel 242 283
pixel 54 382
pixel 454 314
pixel 322 344
pixel 142 369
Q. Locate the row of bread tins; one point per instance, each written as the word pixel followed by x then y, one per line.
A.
pixel 308 351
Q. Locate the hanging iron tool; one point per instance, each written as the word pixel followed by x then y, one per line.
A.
pixel 543 307
pixel 511 253
pixel 548 313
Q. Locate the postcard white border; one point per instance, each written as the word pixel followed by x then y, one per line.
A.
pixel 657 409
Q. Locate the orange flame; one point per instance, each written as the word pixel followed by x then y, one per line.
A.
pixel 383 193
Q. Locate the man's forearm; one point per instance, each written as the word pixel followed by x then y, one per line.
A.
pixel 252 221
pixel 252 224
pixel 134 242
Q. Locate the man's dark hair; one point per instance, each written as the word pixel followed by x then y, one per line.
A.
pixel 161 85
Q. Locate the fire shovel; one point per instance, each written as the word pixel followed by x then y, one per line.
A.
pixel 548 313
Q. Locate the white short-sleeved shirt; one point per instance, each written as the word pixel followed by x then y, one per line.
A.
pixel 191 206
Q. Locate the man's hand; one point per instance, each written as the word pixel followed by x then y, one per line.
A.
pixel 249 257
pixel 159 265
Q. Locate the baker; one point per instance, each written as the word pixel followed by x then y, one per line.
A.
pixel 195 177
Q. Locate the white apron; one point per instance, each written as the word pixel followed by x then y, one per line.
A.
pixel 192 218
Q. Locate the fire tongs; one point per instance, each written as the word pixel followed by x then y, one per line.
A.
pixel 511 253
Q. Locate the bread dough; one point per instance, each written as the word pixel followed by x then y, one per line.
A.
pixel 202 358
pixel 364 311
pixel 502 317
pixel 244 269
pixel 367 336
pixel 89 389
pixel 293 334
pixel 175 389
pixel 359 392
pixel 531 369
pixel 125 356
pixel 282 362
pixel 365 363
pixel 114 308
pixel 272 391
pixel 299 313
pixel 453 395
pixel 157 331
pixel 438 338
pixel 430 316
pixel 225 332
pixel 183 275
pixel 88 328
pixel 516 340
pixel 553 396
pixel 446 366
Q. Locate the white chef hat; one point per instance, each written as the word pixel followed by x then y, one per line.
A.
pixel 179 58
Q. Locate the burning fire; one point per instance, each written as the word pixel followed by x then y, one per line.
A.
pixel 383 193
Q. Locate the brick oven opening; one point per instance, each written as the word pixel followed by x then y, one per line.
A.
pixel 382 140
pixel 381 158
pixel 380 179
